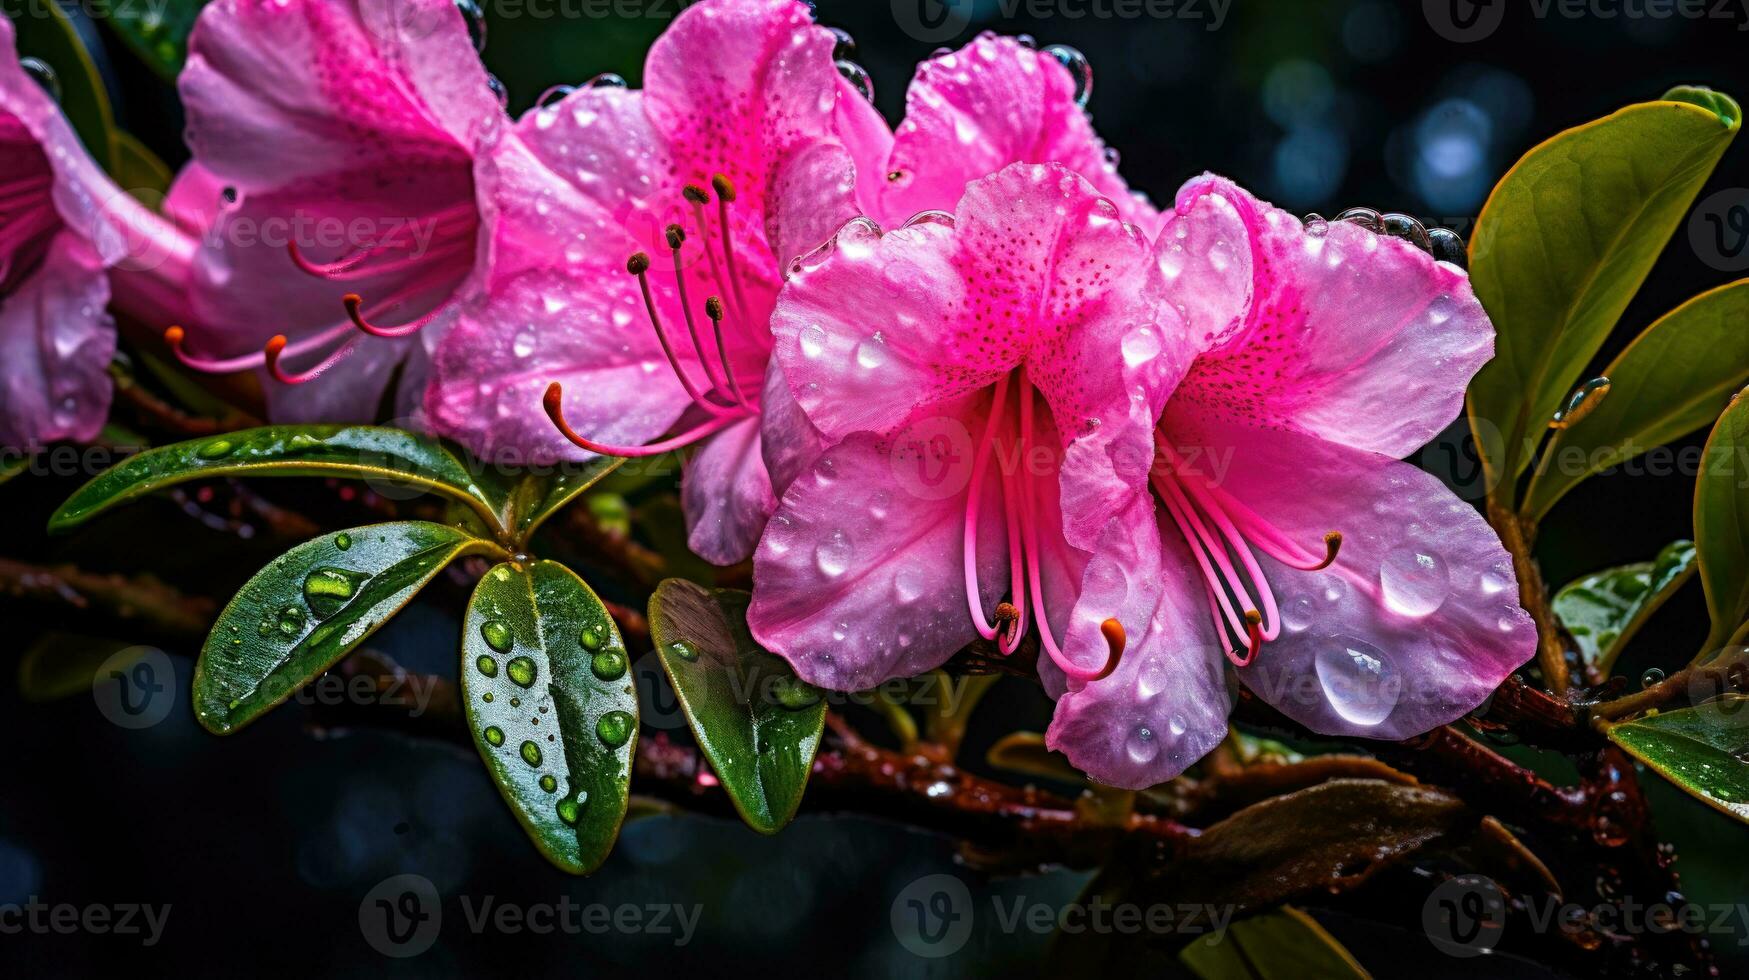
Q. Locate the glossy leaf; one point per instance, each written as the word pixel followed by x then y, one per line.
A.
pixel 755 720
pixel 313 605
pixel 552 707
pixel 1721 523
pixel 1286 944
pixel 59 665
pixel 1605 609
pixel 389 457
pixel 1703 749
pixel 157 32
pixel 1564 242
pixel 45 33
pixel 1673 379
pixel 532 499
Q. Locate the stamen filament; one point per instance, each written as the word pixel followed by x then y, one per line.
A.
pixel 713 308
pixel 554 404
pixel 174 337
pixel 276 348
pixel 639 265
pixel 676 238
pixel 354 303
pixel 974 499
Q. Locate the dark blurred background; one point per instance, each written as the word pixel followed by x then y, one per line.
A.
pixel 266 843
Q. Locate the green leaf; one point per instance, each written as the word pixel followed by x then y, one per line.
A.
pixel 1703 749
pixel 157 32
pixel 386 457
pixel 552 706
pixel 60 665
pixel 1605 609
pixel 45 33
pixel 757 723
pixel 1721 523
pixel 1285 944
pixel 529 501
pixel 1564 242
pixel 298 616
pixel 1673 379
pixel 138 170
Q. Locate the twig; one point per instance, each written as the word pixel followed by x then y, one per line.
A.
pixel 144 606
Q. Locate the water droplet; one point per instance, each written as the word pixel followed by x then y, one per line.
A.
pixel 832 555
pixel 521 670
pixel 1493 584
pixel 554 94
pixel 530 753
pixel 908 584
pixel 1142 745
pixel 343 541
pixel 859 77
pixel 813 340
pixel 549 784
pixel 486 665
pixel 1652 677
pixel 1358 680
pixel 497 635
pixel 871 353
pixel 606 79
pixel 1581 403
pixel 1415 582
pixel 1298 613
pixel 494 736
pixel 794 693
pixel 40 72
pixel 1080 69
pixel 1140 346
pixel 609 665
pixel 217 449
pixel 1316 226
pixel 683 650
pixel 328 590
pixel 476 19
pixel 591 638
pixel 614 728
pixel 291 621
pixel 498 90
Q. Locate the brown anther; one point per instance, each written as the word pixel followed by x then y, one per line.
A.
pixel 676 235
pixel 1332 545
pixel 173 335
pixel 713 307
pixel 1253 635
pixel 638 264
pixel 695 194
pixel 1006 612
pixel 1115 639
pixel 724 187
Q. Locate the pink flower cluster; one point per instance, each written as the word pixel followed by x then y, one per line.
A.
pixel 946 381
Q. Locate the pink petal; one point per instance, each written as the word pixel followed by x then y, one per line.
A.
pixel 788 440
pixel 1166 704
pixel 56 341
pixel 1354 337
pixel 1416 623
pixel 859 575
pixel 813 194
pixel 491 371
pixel 727 495
pixel 880 328
pixel 865 134
pixel 280 90
pixel 974 111
pixel 735 85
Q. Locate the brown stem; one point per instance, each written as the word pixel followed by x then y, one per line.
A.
pixel 1728 672
pixel 1551 651
pixel 146 607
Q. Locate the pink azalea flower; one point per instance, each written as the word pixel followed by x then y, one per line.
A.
pixel 335 143
pixel 1352 591
pixel 989 382
pixel 63 225
pixel 639 242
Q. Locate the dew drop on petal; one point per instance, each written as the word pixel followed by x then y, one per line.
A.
pixel 1358 680
pixel 833 554
pixel 1140 346
pixel 1415 582
pixel 1298 613
pixel 1142 745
